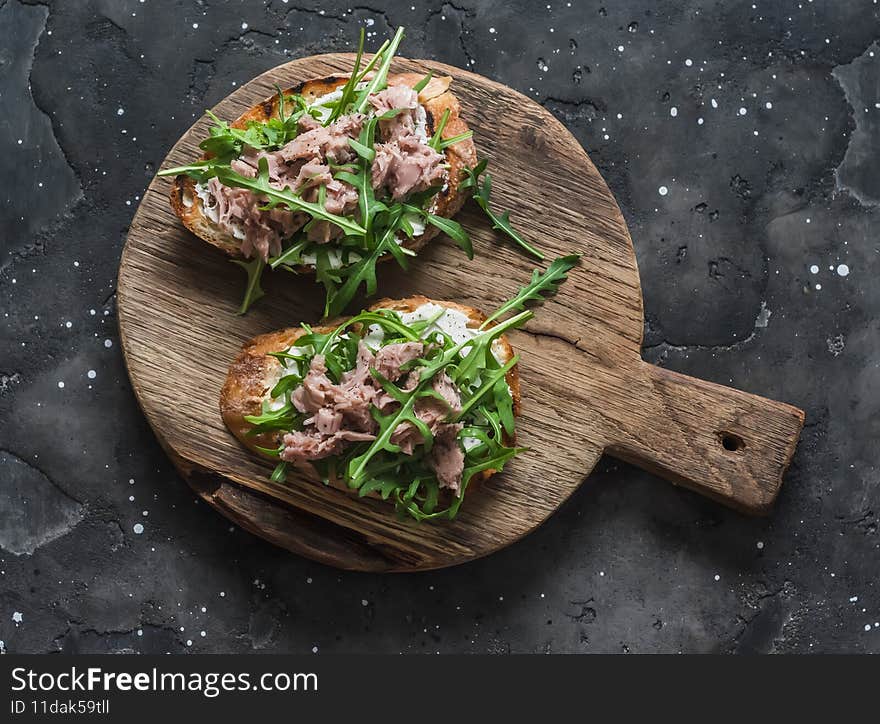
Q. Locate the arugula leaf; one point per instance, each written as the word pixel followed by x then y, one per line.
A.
pixel 438 133
pixel 350 85
pixel 469 367
pixel 363 271
pixel 365 152
pixel 379 80
pixel 285 197
pixel 452 140
pixel 481 197
pixel 200 170
pixel 504 405
pixel 539 288
pixel 252 291
pixel 420 86
pixel 291 256
pixel 384 487
pixel 487 386
pixel 453 230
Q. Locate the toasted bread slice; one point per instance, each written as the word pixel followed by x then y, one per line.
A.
pixel 253 374
pixel 436 99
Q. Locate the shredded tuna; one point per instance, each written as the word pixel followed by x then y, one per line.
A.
pixel 406 165
pixel 343 413
pixel 400 98
pixel 391 358
pixel 307 123
pixel 263 231
pixel 403 165
pixel 329 143
pixel 447 456
pixel 301 446
pixel 430 410
pixel 300 165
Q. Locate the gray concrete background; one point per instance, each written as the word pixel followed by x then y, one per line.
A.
pixel 740 139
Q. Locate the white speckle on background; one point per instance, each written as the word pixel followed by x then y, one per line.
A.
pixel 742 111
pixel 202 634
pixel 140 632
pixel 195 26
pixel 843 270
pixel 314 649
pixel 867 627
pixel 91 374
pixel 60 385
pixel 619 48
pixel 222 594
pixel 244 26
pixel 673 111
pixel 768 105
pixel 814 269
pixel 818 287
pixel 663 191
pixel 108 343
pixel 699 121
pixel 717 577
pixel 120 111
pixel 138 528
pixel 492 30
pixel 853 599
pixel 714 103
pixel 17 617
pixel 760 545
pixel 189 642
pixel 688 62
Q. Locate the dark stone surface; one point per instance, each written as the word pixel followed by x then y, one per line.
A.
pixel 778 177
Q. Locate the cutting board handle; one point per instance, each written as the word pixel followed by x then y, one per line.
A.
pixel 729 445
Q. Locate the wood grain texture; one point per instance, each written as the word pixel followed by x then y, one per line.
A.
pixel 585 388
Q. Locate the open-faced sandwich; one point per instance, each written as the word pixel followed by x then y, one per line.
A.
pixel 335 174
pixel 411 400
pixel 331 176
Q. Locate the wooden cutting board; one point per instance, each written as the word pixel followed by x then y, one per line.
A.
pixel 586 389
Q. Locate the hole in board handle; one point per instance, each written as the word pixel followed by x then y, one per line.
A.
pixel 731 442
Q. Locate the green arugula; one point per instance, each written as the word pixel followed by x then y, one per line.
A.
pixel 539 288
pixel 452 140
pixel 482 193
pixel 350 85
pixel 284 197
pixel 252 291
pixel 438 131
pixel 422 84
pixel 380 78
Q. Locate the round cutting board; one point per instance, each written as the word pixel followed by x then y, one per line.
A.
pixel 585 388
